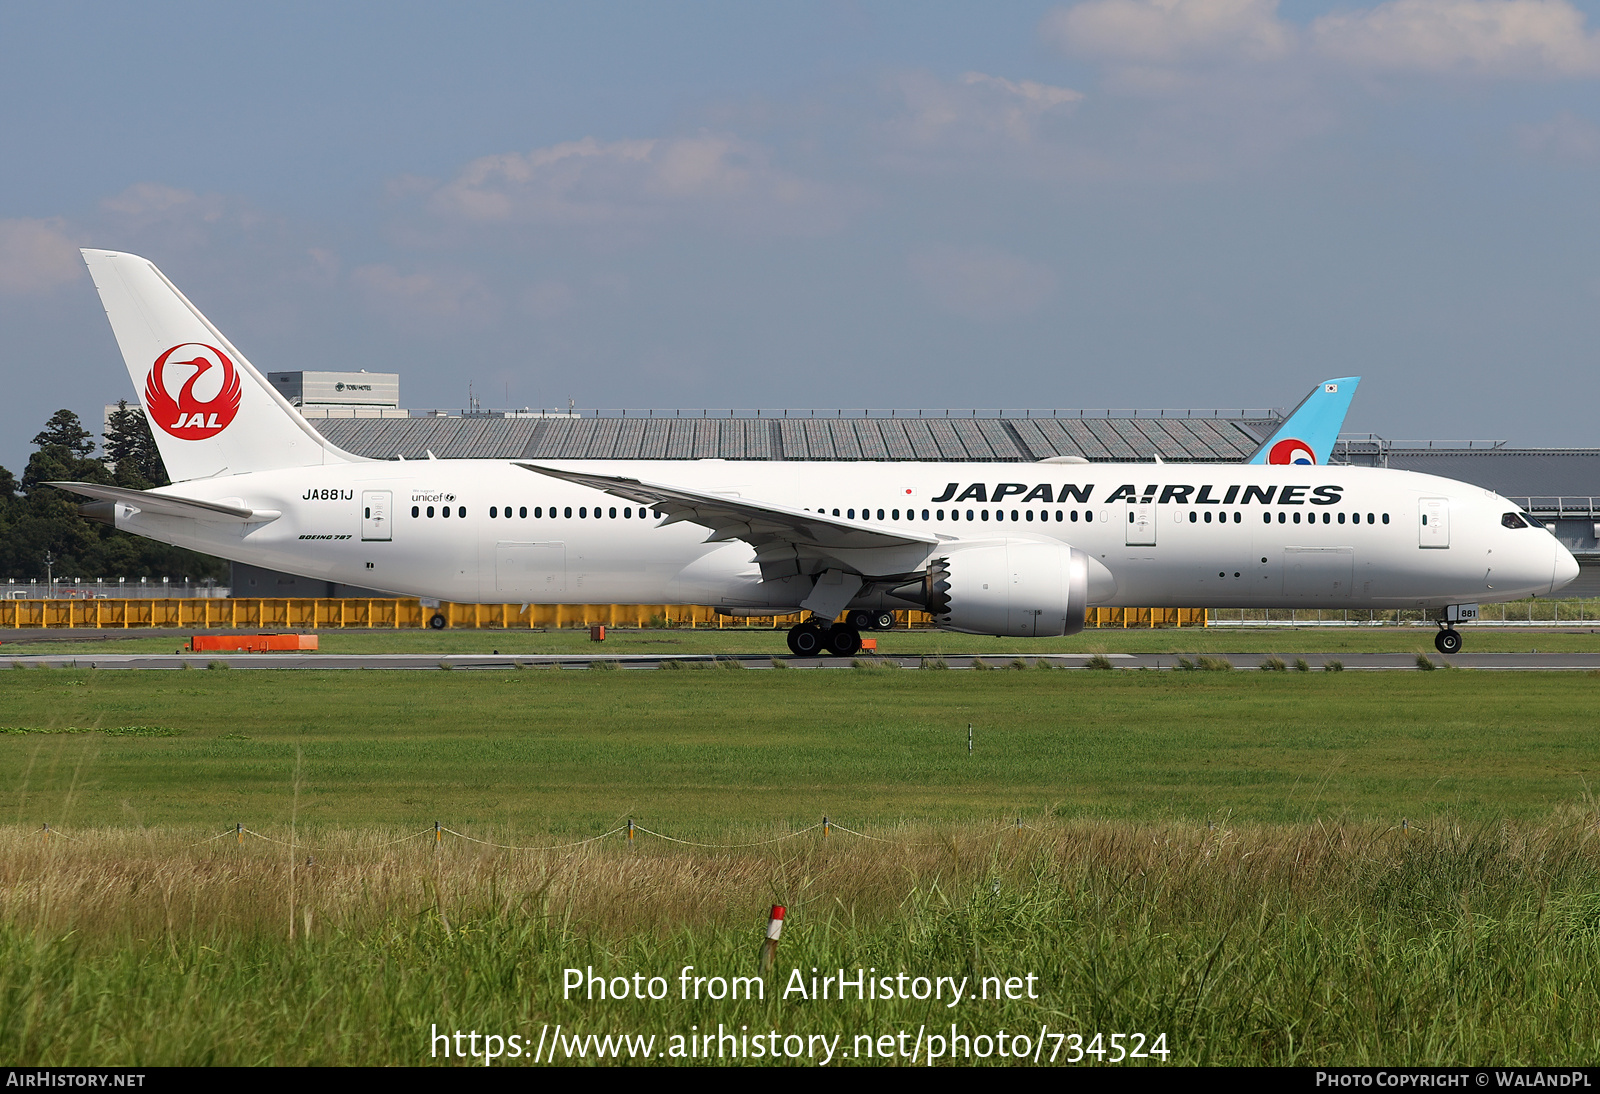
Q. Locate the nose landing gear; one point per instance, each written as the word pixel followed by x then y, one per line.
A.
pixel 1448 640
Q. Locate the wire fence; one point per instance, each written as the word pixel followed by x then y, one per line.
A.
pixel 628 831
pixel 1572 612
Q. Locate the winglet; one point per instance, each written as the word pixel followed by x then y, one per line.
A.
pixel 1307 436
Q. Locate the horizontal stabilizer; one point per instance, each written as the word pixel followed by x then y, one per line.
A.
pixel 168 505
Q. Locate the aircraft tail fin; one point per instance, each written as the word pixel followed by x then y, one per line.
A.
pixel 210 411
pixel 1307 436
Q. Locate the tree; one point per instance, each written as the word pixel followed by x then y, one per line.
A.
pixel 40 521
pixel 130 450
pixel 64 430
pixel 63 454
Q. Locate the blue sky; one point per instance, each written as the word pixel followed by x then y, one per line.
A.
pixel 1112 203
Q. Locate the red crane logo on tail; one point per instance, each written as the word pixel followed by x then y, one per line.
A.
pixel 187 417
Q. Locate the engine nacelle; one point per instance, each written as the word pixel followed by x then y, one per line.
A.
pixel 1017 588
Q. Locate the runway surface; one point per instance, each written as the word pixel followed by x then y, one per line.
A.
pixel 1353 662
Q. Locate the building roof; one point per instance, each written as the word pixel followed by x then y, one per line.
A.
pixel 1545 475
pixel 991 439
pixel 1541 474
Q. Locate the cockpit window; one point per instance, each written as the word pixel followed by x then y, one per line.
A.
pixel 1533 522
pixel 1512 520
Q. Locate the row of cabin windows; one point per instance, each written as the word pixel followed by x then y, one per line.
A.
pixel 496 512
pixel 1327 518
pixel 955 514
pixel 1196 517
pixel 1062 516
pixel 1283 517
pixel 1074 516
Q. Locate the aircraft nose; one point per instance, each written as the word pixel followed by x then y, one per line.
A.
pixel 1566 568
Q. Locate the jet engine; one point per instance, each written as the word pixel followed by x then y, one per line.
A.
pixel 1015 588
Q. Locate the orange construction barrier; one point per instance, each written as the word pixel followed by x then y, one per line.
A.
pixel 253 643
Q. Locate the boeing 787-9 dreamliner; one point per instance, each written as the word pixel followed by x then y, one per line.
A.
pixel 986 548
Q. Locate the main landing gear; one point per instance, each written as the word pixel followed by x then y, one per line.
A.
pixel 1448 640
pixel 861 620
pixel 810 639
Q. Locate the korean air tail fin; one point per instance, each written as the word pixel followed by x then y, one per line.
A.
pixel 210 411
pixel 1307 436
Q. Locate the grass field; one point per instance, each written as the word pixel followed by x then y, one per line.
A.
pixel 1268 868
pixel 1319 944
pixel 546 750
pixel 742 640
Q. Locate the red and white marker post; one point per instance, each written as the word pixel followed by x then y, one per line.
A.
pixel 769 949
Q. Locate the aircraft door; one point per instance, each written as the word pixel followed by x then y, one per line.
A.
pixel 375 509
pixel 1433 522
pixel 532 572
pixel 1141 524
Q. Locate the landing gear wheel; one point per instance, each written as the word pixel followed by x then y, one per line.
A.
pixel 1447 641
pixel 883 621
pixel 859 620
pixel 843 641
pixel 438 622
pixel 805 640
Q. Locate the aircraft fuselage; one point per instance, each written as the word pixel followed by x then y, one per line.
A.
pixel 1169 535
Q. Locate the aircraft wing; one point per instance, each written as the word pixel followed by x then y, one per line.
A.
pixel 168 505
pixel 787 541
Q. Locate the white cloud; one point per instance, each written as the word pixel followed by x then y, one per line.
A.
pixel 982 283
pixel 983 122
pixel 710 177
pixel 1029 93
pixel 146 201
pixel 1535 39
pixel 1166 31
pixel 426 298
pixel 37 256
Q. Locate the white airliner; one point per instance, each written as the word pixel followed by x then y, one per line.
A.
pixel 987 548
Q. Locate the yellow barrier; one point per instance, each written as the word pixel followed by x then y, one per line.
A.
pixel 1147 617
pixel 400 614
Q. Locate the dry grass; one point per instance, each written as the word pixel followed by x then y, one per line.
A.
pixel 1260 944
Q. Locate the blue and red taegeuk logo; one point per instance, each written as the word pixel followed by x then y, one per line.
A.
pixel 1291 451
